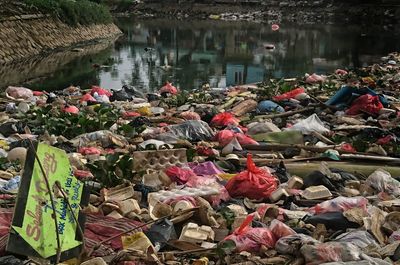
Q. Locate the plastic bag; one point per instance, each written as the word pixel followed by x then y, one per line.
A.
pixel 362 239
pixel 191 130
pixel 253 183
pixel 382 181
pixel 269 106
pixel 314 78
pixel 251 239
pixel 280 229
pixel 289 95
pixel 207 168
pixel 224 119
pixel 18 93
pixel 262 127
pixel 169 88
pixel 89 151
pixel 179 175
pixel 290 245
pixel 224 137
pixel 309 125
pixel 210 181
pixel 71 109
pixel 340 204
pixel 100 91
pixel 190 115
pixel 88 98
pixel 365 103
pixel 341 72
pixel 331 251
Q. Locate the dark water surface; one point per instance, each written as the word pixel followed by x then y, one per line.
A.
pixel 190 53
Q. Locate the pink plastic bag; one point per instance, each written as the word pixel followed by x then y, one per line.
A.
pixel 340 204
pixel 100 91
pixel 224 137
pixel 169 88
pixel 314 78
pixel 251 239
pixel 190 115
pixel 280 229
pixel 88 98
pixel 253 183
pixel 365 103
pixel 199 181
pixel 179 175
pixel 71 109
pixel 290 94
pixel 89 151
pixel 224 119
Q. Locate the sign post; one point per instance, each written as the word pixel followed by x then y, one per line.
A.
pixel 33 231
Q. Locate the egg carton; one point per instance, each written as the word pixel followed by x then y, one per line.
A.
pixel 164 195
pixel 158 159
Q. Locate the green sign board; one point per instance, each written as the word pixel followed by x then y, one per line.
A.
pixel 33 224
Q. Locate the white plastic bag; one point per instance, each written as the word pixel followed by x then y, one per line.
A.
pixel 309 125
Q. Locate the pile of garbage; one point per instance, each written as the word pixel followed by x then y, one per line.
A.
pixel 291 171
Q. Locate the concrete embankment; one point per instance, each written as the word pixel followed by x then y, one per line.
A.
pixel 24 36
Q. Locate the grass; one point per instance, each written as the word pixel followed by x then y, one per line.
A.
pixel 73 12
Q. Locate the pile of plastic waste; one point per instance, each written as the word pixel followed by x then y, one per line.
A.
pixel 291 171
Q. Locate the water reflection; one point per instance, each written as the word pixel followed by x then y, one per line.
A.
pixel 225 53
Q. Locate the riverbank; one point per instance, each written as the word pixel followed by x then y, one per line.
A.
pixel 302 12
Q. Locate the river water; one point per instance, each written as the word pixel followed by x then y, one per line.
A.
pixel 191 53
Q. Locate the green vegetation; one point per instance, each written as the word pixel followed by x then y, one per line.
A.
pixel 73 12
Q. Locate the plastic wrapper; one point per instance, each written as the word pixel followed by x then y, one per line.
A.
pixel 361 239
pixel 105 137
pixel 224 119
pixel 189 130
pixel 331 251
pixel 18 93
pixel 288 95
pixel 253 183
pixel 309 125
pixel 340 204
pixel 290 245
pixel 179 175
pixel 251 239
pixel 280 229
pixel 382 181
pixel 365 103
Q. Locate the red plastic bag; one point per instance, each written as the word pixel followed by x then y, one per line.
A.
pixel 100 91
pixel 340 204
pixel 348 147
pixel 385 140
pixel 290 94
pixel 130 114
pixel 253 183
pixel 251 239
pixel 224 137
pixel 179 175
pixel 224 119
pixel 169 88
pixel 367 103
